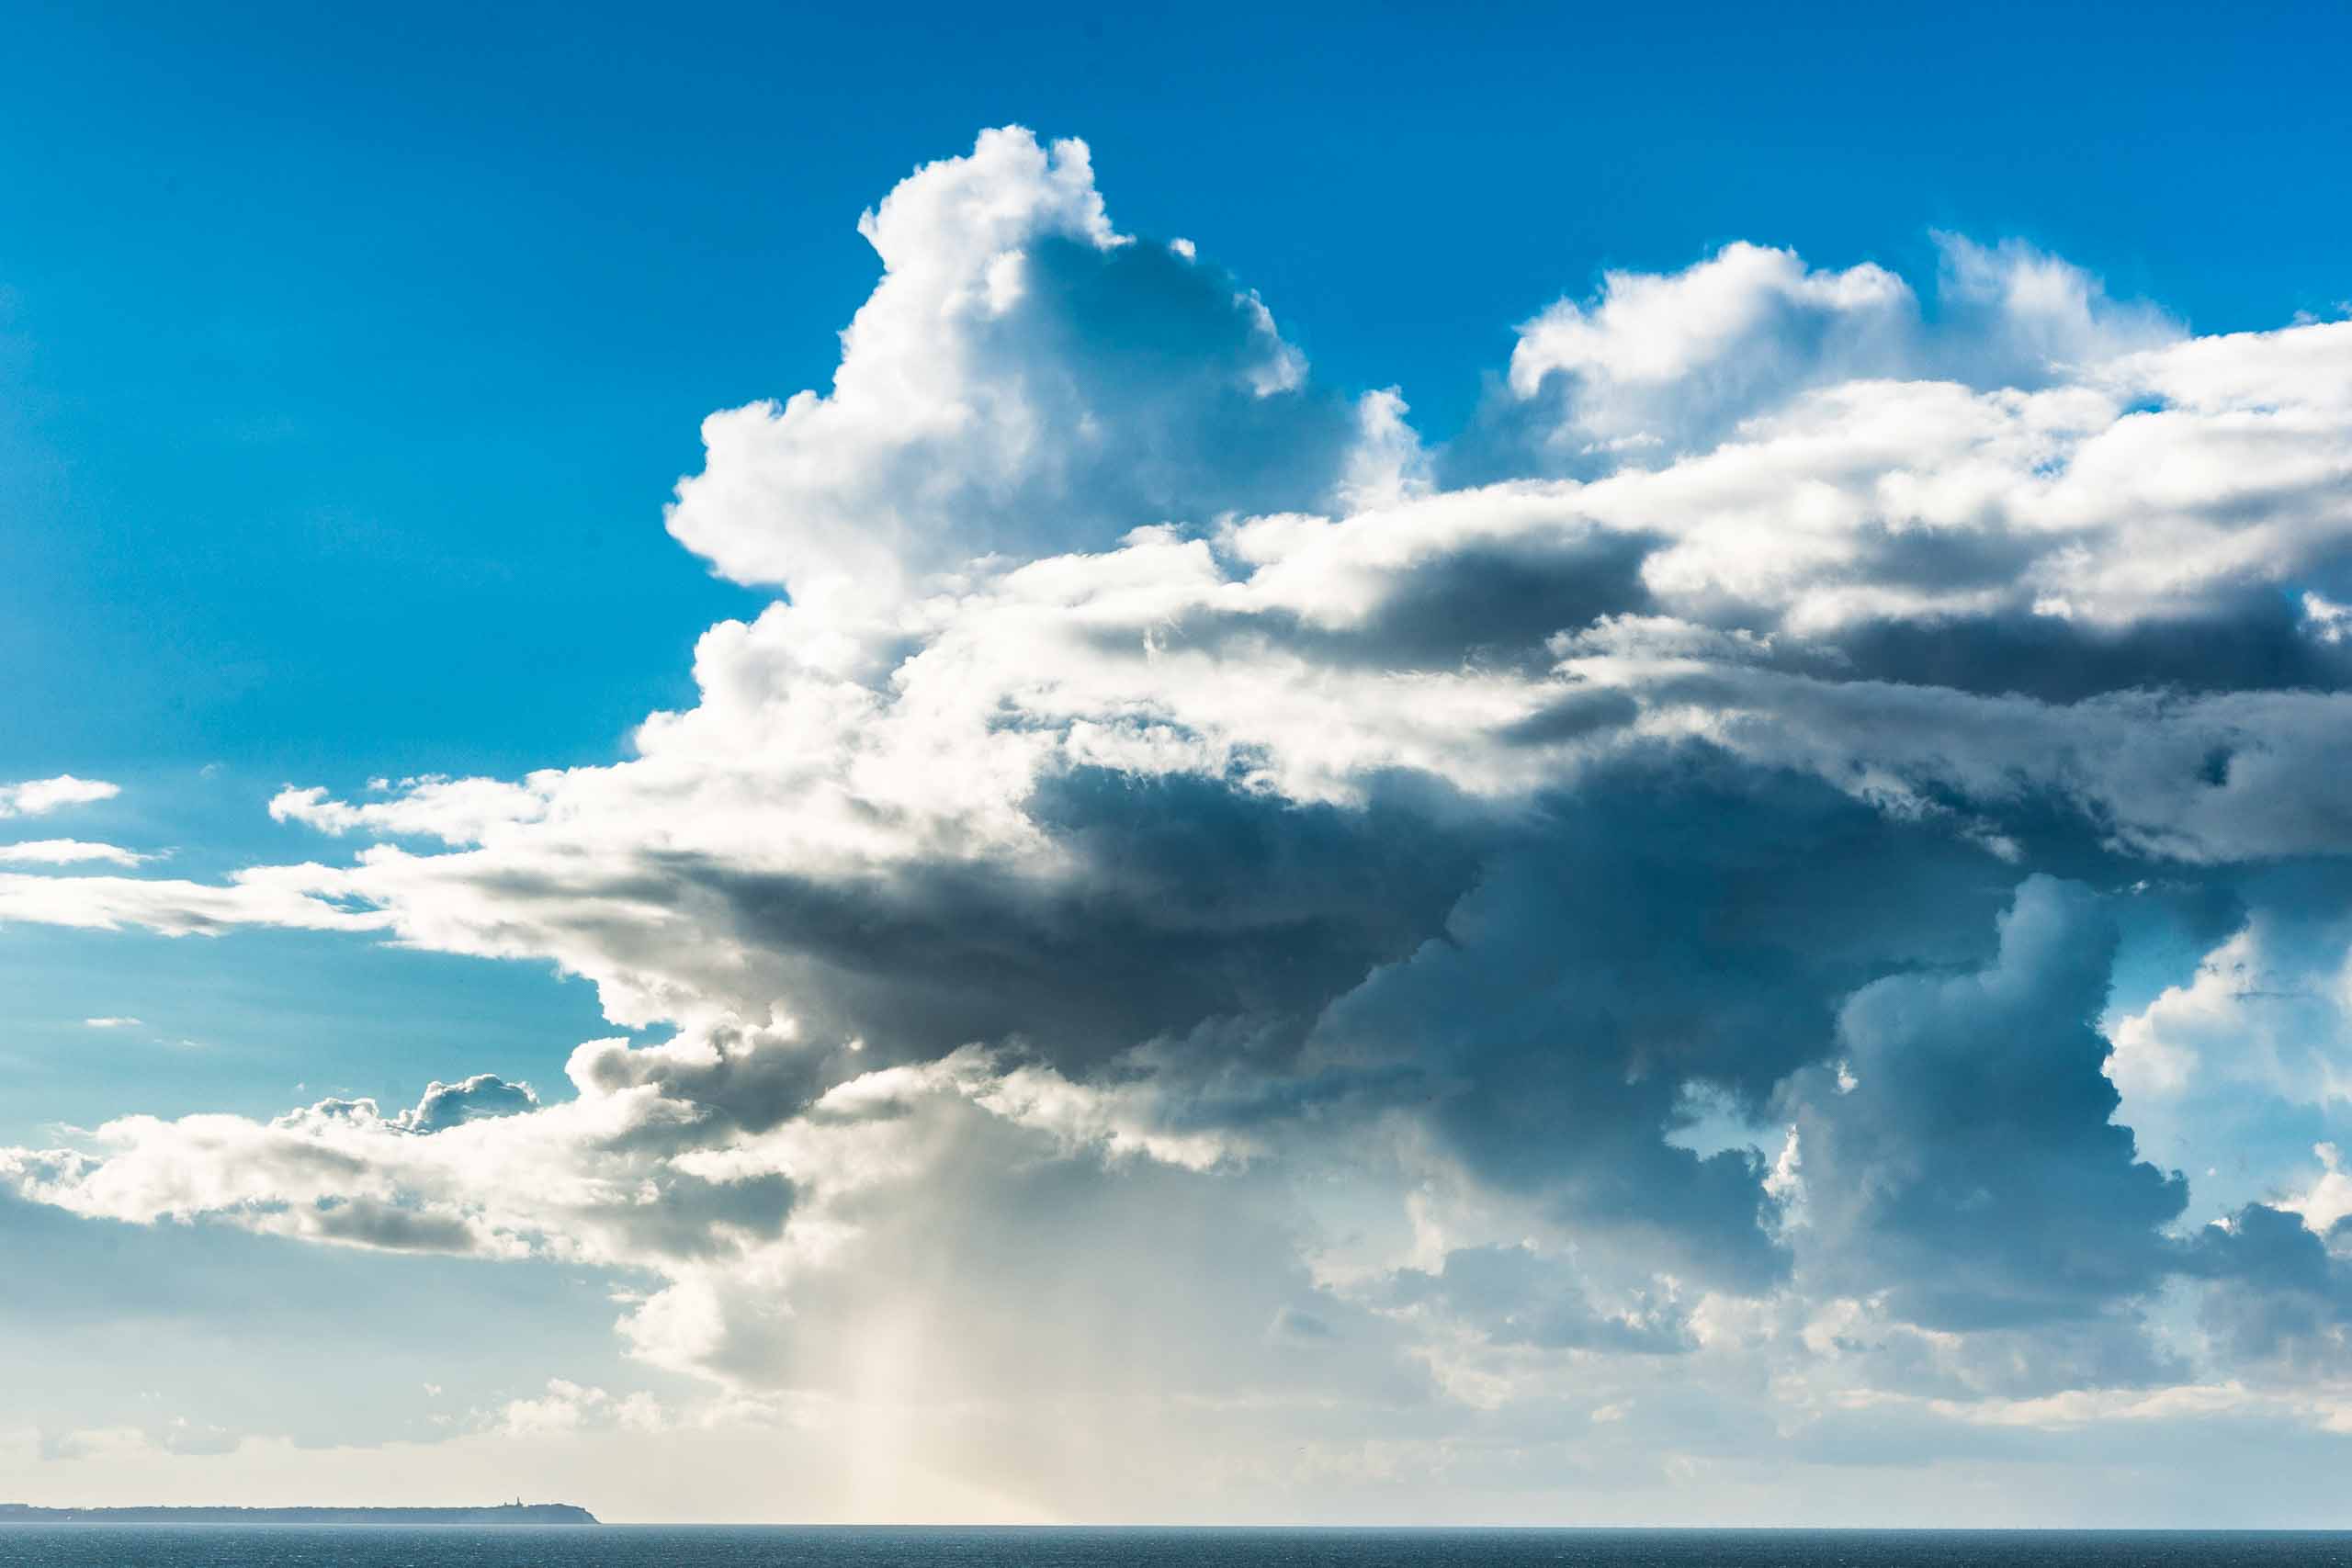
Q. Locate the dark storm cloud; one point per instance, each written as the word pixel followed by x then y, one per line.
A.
pixel 1683 922
pixel 1196 902
pixel 1974 1168
pixel 2279 1293
pixel 447 1105
pixel 392 1226
pixel 2258 643
pixel 1490 606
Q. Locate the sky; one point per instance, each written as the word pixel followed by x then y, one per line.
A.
pixel 1555 766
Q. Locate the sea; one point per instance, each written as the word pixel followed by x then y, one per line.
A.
pixel 669 1546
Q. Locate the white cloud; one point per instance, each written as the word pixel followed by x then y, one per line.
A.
pixel 570 1407
pixel 299 896
pixel 2328 1199
pixel 2248 1015
pixel 1389 465
pixel 954 430
pixel 456 811
pixel 2015 313
pixel 2325 619
pixel 1659 365
pixel 111 1022
pixel 808 492
pixel 1654 362
pixel 35 796
pixel 66 852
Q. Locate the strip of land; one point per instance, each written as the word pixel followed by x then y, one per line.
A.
pixel 502 1514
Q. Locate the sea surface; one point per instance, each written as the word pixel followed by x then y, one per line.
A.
pixel 664 1546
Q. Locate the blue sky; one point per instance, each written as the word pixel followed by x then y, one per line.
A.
pixel 347 365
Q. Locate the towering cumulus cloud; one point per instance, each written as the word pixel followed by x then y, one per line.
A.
pixel 1192 899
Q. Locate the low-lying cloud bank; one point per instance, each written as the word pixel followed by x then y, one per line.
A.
pixel 1190 894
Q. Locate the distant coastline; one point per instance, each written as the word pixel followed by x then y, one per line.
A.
pixel 499 1513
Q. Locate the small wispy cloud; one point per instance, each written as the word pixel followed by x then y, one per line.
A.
pixel 111 1022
